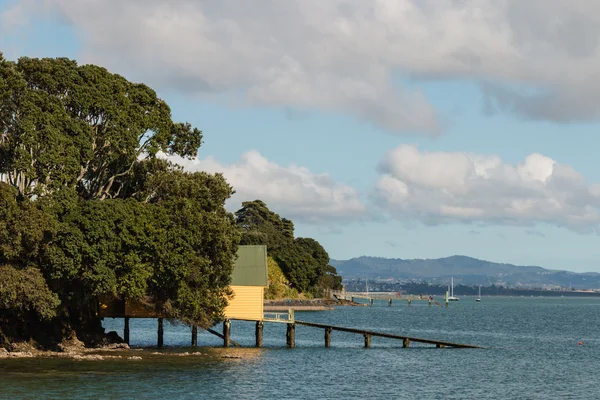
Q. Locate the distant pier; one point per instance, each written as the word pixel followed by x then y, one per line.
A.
pixel 390 297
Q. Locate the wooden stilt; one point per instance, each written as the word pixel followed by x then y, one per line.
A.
pixel 126 330
pixel 328 337
pixel 367 340
pixel 194 335
pixel 160 332
pixel 406 342
pixel 226 332
pixel 259 333
pixel 291 335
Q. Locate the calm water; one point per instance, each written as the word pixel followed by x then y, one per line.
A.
pixel 533 354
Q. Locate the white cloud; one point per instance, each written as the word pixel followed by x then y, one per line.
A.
pixel 347 55
pixel 293 191
pixel 445 187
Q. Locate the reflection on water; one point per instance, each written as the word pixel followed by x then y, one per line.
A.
pixel 532 352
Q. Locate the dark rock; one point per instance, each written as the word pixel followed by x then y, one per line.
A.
pixel 113 337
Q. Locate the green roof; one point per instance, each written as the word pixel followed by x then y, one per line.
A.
pixel 250 267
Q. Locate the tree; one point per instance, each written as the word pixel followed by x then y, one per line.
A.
pixel 259 225
pixel 304 262
pixel 86 201
pixel 81 127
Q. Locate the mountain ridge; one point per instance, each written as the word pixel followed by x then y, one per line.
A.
pixel 465 270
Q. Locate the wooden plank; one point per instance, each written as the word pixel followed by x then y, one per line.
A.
pixel 387 335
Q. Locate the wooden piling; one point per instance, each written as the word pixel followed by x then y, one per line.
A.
pixel 194 335
pixel 371 302
pixel 367 340
pixel 446 299
pixel 226 332
pixel 328 337
pixel 389 302
pixel 259 333
pixel 160 332
pixel 291 335
pixel 406 342
pixel 126 330
pixel 409 302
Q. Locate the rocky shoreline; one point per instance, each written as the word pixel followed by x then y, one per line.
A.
pixel 306 305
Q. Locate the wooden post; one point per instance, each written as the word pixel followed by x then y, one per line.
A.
pixel 389 302
pixel 126 330
pixel 194 335
pixel 291 335
pixel 367 340
pixel 259 333
pixel 160 333
pixel 406 342
pixel 352 299
pixel 328 337
pixel 409 302
pixel 226 332
pixel 439 346
pixel 371 301
pixel 446 299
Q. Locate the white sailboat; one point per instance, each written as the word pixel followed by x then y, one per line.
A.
pixel 451 297
pixel 479 296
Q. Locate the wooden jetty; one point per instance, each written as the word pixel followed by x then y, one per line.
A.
pixel 291 323
pixel 390 297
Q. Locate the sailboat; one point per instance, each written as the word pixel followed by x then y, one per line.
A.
pixel 478 299
pixel 452 298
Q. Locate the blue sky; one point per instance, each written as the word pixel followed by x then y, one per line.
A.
pixel 370 125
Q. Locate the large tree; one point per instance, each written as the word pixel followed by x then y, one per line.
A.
pixel 65 125
pixel 88 203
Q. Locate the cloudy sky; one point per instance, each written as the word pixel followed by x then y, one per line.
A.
pixel 393 128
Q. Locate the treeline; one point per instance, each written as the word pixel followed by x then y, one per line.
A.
pixel 296 265
pixel 89 206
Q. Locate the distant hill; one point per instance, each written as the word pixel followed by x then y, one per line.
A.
pixel 465 270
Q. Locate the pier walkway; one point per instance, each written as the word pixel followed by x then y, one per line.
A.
pixel 386 296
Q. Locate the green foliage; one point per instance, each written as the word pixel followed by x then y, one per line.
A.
pixel 331 280
pixel 279 286
pixel 87 204
pixel 24 294
pixel 259 225
pixel 303 261
pixel 80 126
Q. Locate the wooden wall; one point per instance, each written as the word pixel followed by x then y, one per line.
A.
pixel 247 303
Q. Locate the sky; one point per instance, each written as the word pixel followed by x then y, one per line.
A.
pixel 389 128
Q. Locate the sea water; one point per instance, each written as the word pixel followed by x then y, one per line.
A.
pixel 532 351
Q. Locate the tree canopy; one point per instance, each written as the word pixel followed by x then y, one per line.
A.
pixel 303 261
pixel 88 206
